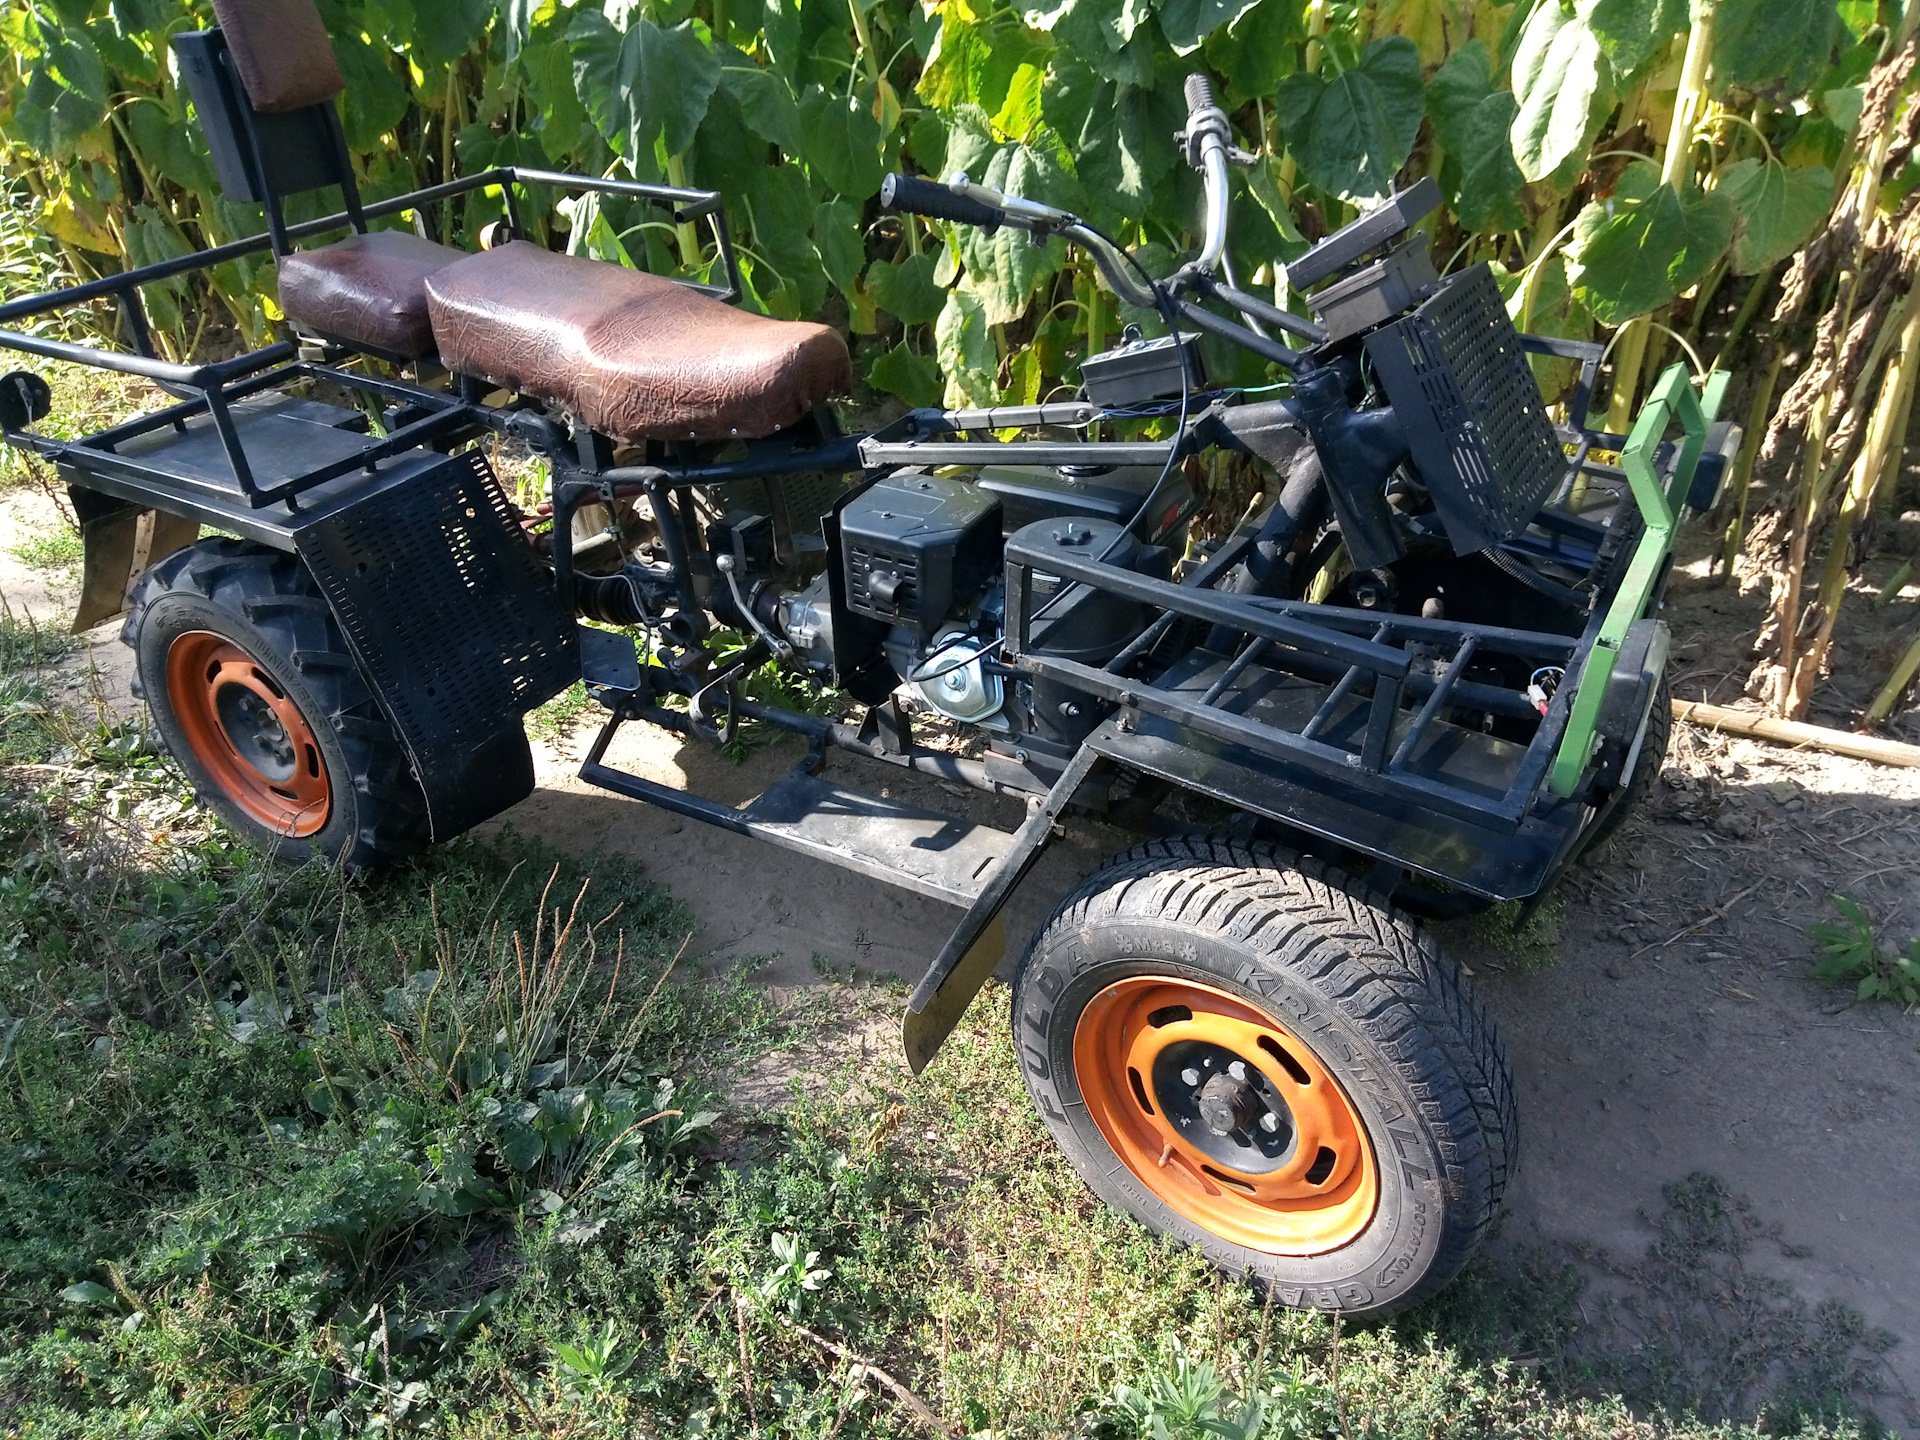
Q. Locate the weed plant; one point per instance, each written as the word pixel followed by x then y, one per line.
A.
pixel 445 1150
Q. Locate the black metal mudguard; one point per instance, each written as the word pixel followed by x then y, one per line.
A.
pixel 455 623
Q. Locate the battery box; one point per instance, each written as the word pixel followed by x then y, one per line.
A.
pixel 1138 370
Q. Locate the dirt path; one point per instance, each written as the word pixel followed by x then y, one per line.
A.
pixel 1672 1028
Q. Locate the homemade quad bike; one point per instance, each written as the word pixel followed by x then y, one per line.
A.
pixel 1424 678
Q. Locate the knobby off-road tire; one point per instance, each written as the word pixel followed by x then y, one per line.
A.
pixel 1183 957
pixel 253 690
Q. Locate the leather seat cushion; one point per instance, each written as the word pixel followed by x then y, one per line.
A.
pixel 634 356
pixel 368 289
pixel 281 50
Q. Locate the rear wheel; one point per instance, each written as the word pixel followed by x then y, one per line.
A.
pixel 253 690
pixel 1647 766
pixel 1249 1053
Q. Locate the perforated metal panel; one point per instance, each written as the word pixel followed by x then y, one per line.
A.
pixel 453 618
pixel 1471 410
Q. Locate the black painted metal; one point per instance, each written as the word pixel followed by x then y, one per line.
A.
pixel 1468 405
pixel 1500 862
pixel 455 622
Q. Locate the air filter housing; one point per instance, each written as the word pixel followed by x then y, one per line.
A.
pixel 913 544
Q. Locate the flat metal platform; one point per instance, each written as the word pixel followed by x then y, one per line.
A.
pixel 283 436
pixel 185 470
pixel 925 851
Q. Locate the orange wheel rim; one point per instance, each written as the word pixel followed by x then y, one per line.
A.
pixel 248 735
pixel 1225 1116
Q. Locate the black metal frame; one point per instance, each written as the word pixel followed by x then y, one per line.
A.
pixel 210 390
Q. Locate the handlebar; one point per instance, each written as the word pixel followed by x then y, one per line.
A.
pixel 1208 142
pixel 939 202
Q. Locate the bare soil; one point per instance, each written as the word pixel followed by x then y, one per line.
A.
pixel 1665 1025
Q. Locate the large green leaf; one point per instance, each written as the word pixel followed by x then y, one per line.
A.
pixel 555 98
pixel 836 236
pixel 1487 193
pixel 964 343
pixel 1632 32
pixel 970 144
pixel 516 27
pixel 914 378
pixel 1473 121
pixel 780 32
pixel 976 63
pixel 456 24
pixel 906 288
pixel 842 143
pixel 643 84
pixel 1784 43
pixel 1257 51
pixel 1643 245
pixel 1005 269
pixel 1353 132
pixel 1118 135
pixel 1558 71
pixel 75 62
pixel 380 99
pixel 1779 209
pixel 765 102
pixel 1456 90
pixel 1109 38
pixel 166 144
pixel 1186 23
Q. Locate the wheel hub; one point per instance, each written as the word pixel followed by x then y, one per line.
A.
pixel 247 734
pixel 1223 1105
pixel 1225 1116
pixel 257 734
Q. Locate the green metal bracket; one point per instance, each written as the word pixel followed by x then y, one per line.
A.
pixel 1672 400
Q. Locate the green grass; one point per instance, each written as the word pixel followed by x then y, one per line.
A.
pixel 559 717
pixel 446 1151
pixel 57 550
pixel 1528 948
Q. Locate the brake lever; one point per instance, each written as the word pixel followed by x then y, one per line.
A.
pixel 1029 215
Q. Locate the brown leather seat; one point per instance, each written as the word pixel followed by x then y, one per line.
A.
pixel 281 50
pixel 369 290
pixel 634 356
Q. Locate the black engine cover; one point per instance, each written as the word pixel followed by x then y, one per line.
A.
pixel 912 544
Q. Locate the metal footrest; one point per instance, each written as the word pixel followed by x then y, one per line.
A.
pixel 916 849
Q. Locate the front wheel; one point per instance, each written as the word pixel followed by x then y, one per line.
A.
pixel 1248 1053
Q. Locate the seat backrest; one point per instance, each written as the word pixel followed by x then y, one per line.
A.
pixel 281 49
pixel 264 84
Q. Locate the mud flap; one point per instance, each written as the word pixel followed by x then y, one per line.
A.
pixel 455 624
pixel 119 542
pixel 968 959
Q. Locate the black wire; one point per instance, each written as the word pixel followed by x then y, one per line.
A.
pixel 1163 301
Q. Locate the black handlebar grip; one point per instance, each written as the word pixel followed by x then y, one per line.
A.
pixel 1199 93
pixel 930 198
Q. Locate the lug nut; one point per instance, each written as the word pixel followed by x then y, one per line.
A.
pixel 1189 1076
pixel 1270 1122
pixel 1238 1070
